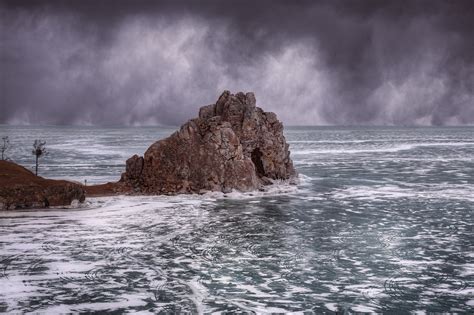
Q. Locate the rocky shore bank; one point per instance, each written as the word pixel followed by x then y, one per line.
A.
pixel 21 189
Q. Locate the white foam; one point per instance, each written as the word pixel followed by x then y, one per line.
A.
pixel 363 309
pixel 331 306
pixel 428 191
pixel 385 148
pixel 278 188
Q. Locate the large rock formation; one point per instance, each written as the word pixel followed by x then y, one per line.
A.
pixel 231 145
pixel 21 189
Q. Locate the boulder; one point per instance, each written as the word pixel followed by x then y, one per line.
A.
pixel 232 144
pixel 21 189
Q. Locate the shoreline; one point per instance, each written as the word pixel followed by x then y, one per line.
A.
pixel 104 190
pixel 20 189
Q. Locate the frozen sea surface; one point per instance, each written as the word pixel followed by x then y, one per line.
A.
pixel 382 221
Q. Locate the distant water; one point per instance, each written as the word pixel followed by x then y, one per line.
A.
pixel 382 221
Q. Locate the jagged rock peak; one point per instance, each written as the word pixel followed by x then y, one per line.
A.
pixel 232 144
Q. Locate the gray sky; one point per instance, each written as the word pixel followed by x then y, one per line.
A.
pixel 312 62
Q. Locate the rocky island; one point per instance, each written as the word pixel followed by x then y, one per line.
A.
pixel 231 145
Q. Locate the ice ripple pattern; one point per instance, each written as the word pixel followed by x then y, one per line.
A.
pixel 386 227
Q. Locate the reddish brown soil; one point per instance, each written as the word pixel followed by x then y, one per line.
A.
pixel 12 174
pixel 20 188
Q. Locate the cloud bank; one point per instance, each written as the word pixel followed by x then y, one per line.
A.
pixel 311 62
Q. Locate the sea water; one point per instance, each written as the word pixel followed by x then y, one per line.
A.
pixel 381 221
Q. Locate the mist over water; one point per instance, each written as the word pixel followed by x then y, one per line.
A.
pixel 381 221
pixel 145 62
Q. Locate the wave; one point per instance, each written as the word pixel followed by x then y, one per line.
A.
pixel 432 140
pixel 383 192
pixel 403 147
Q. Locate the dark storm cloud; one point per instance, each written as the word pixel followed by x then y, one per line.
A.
pixel 312 62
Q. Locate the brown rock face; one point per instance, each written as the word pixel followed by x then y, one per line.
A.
pixel 231 145
pixel 20 189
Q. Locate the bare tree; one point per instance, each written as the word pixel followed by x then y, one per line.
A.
pixel 5 146
pixel 39 150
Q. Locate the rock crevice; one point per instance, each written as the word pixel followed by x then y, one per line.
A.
pixel 232 144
